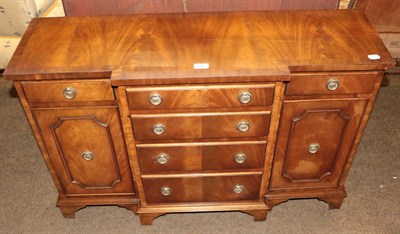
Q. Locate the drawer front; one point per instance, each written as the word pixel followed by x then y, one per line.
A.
pixel 330 84
pixel 201 125
pixel 202 189
pixel 200 96
pixel 65 91
pixel 201 156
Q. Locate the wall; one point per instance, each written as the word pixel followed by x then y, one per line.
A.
pixel 15 16
pixel 118 7
pixel 384 15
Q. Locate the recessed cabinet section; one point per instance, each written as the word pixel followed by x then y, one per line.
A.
pixel 87 149
pixel 314 141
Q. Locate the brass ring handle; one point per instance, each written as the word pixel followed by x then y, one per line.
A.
pixel 245 97
pixel 162 158
pixel 238 188
pixel 158 129
pixel 155 99
pixel 166 191
pixel 313 148
pixel 332 84
pixel 243 126
pixel 87 155
pixel 240 158
pixel 69 93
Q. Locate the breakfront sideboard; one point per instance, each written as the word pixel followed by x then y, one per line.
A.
pixel 194 112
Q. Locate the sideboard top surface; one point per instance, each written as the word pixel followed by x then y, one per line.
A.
pixel 166 46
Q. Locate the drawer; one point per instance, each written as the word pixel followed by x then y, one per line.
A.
pixel 202 189
pixel 177 97
pixel 68 91
pixel 200 125
pixel 201 156
pixel 331 84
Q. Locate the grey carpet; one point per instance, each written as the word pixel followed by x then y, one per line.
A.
pixel 28 195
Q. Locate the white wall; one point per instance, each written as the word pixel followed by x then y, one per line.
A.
pixel 15 16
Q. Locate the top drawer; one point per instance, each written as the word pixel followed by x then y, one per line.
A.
pixel 71 91
pixel 331 84
pixel 177 97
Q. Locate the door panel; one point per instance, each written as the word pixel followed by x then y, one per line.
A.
pixel 87 149
pixel 313 142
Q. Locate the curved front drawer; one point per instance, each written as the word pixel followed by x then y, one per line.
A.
pixel 210 96
pixel 200 125
pixel 201 156
pixel 202 189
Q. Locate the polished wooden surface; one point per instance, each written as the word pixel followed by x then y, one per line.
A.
pixel 201 125
pixel 165 47
pixel 284 59
pixel 202 189
pixel 317 84
pixel 201 156
pixel 192 163
pixel 210 96
pixel 271 142
pixel 255 208
pixel 68 133
pixel 70 204
pixel 91 90
pixel 330 124
pixel 332 195
pixel 130 142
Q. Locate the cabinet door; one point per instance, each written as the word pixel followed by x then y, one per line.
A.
pixel 314 141
pixel 87 150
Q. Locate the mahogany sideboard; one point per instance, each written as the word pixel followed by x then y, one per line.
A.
pixel 194 112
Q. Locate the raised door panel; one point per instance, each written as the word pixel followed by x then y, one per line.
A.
pixel 314 140
pixel 87 149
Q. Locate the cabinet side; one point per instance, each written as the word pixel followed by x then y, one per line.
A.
pixel 36 133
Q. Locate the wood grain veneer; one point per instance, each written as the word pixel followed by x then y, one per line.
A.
pixel 235 45
pixel 210 96
pixel 316 84
pixel 101 147
pixel 67 134
pixel 92 90
pixel 201 156
pixel 202 189
pixel 332 125
pixel 201 125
